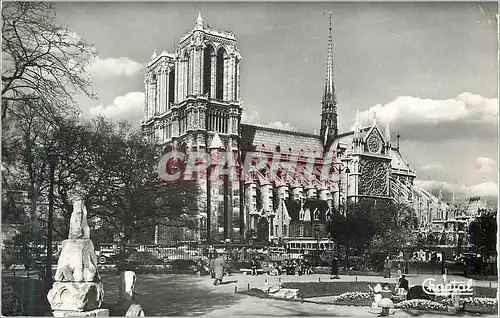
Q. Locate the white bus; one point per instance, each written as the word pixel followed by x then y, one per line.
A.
pixel 297 248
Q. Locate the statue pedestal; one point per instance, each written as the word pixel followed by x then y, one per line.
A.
pixel 77 290
pixel 74 296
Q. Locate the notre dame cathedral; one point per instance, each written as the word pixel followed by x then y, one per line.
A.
pixel 193 103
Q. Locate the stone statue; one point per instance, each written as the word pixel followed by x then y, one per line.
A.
pixel 77 288
pixel 79 228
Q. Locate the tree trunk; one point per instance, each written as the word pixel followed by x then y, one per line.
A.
pixel 347 257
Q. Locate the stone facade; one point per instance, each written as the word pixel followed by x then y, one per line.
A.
pixel 192 96
pixel 193 103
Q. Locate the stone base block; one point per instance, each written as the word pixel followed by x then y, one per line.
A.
pixel 76 296
pixel 91 313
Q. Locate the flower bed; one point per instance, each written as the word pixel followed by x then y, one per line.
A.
pixel 327 288
pixel 353 299
pixel 480 304
pixel 421 304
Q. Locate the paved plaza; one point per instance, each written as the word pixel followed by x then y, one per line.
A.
pixel 189 295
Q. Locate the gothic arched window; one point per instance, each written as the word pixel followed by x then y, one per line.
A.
pixel 171 88
pixel 186 75
pixel 219 80
pixel 207 69
pixel 302 215
pixel 236 78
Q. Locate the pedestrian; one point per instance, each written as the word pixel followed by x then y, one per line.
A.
pixel 403 283
pixel 387 267
pixel 254 267
pixel 386 291
pixel 219 266
pixel 377 294
pixel 335 268
pixel 211 267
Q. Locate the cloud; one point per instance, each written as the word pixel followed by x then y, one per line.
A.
pixel 432 167
pixel 253 118
pixel 485 165
pixel 129 106
pixel 280 125
pixel 485 189
pixel 466 115
pixel 111 66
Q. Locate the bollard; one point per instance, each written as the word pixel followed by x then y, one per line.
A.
pixel 319 279
pixel 235 289
pixel 490 284
pixel 248 286
pixel 356 278
pixel 280 279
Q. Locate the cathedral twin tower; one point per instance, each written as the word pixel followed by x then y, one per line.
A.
pixel 193 94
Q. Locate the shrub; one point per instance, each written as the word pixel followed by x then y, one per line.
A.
pixel 417 292
pixel 8 259
pixel 182 264
pixel 11 305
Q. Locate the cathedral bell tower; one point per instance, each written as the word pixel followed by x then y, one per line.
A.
pixel 192 101
pixel 329 129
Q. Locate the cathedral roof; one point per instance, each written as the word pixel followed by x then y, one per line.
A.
pixel 475 206
pixel 267 139
pixel 216 143
pixel 425 195
pixel 399 164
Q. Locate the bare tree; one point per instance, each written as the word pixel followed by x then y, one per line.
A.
pixel 43 63
pixel 43 69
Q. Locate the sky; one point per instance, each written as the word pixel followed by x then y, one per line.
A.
pixel 429 69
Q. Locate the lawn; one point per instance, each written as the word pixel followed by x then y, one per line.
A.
pixel 317 289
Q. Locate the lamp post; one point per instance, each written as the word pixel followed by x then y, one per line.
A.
pixel 52 158
pixel 341 167
pixel 316 230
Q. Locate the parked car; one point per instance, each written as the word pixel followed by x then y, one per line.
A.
pixel 106 252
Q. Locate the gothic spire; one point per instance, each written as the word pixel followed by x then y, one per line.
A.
pixel 199 21
pixel 329 93
pixel 357 124
pixel 387 132
pixel 329 128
